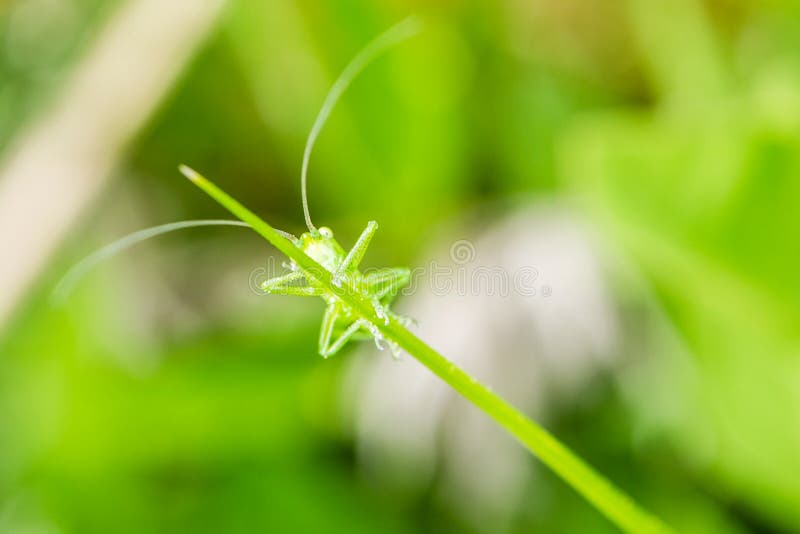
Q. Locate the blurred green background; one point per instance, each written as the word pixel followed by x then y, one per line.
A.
pixel 165 397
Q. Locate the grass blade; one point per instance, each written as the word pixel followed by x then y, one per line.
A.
pixel 615 504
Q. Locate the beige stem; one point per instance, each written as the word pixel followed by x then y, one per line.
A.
pixel 58 165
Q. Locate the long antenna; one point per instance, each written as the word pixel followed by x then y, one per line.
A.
pixel 68 281
pixel 399 32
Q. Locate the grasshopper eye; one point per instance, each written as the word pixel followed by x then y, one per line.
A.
pixel 326 232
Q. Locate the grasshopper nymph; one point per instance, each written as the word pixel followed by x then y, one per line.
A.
pixel 339 323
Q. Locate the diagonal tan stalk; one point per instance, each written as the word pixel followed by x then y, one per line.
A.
pixel 604 495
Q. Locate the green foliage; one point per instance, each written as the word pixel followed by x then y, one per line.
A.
pixel 165 396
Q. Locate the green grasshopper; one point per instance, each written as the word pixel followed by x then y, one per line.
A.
pixel 339 324
pixel 379 287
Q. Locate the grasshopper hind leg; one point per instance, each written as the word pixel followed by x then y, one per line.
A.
pixel 384 285
pixel 327 345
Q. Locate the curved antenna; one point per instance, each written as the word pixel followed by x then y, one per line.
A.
pixel 79 270
pixel 399 32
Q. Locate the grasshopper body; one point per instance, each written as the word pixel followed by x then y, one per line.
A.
pixel 339 323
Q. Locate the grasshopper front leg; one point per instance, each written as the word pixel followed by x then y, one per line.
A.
pixel 356 254
pixel 286 285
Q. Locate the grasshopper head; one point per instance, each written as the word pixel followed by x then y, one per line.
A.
pixel 322 247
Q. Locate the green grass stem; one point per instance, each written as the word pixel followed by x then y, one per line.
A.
pixel 615 504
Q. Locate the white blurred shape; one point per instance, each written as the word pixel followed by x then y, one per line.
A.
pixel 59 164
pixel 534 350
